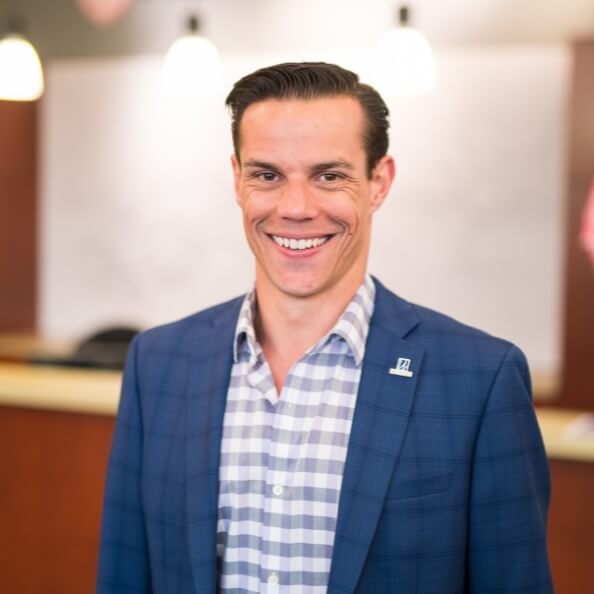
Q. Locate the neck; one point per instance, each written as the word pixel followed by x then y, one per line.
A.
pixel 287 326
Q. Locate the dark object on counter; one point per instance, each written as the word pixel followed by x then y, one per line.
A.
pixel 105 349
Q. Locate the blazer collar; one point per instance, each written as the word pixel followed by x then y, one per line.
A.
pixel 210 364
pixel 393 313
pixel 384 404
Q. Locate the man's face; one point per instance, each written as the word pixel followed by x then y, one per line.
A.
pixel 306 198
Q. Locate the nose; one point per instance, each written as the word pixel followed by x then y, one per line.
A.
pixel 297 201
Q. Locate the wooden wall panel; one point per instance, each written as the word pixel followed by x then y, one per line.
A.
pixel 18 215
pixel 578 347
pixel 571 527
pixel 52 468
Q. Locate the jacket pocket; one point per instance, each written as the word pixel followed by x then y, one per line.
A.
pixel 420 486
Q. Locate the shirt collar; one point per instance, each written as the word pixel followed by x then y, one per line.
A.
pixel 245 333
pixel 352 326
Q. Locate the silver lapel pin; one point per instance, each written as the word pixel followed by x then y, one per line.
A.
pixel 402 368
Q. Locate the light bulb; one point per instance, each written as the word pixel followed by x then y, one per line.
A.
pixel 404 60
pixel 408 60
pixel 21 75
pixel 192 66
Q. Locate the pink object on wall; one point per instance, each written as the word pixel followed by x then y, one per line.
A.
pixel 103 12
pixel 587 230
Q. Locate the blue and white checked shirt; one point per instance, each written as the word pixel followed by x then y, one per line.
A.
pixel 282 459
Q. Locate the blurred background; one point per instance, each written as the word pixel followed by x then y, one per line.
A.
pixel 117 213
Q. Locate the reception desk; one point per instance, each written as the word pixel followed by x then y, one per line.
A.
pixel 569 441
pixel 55 433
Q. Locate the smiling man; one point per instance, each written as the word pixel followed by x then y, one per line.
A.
pixel 321 434
pixel 307 194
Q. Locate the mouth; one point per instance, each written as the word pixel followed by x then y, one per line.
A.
pixel 301 244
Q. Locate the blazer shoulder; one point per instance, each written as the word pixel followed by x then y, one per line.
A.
pixel 433 322
pixel 178 333
pixel 463 345
pixel 452 347
pixel 436 330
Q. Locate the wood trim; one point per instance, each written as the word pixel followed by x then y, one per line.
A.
pixel 18 216
pixel 571 526
pixel 52 468
pixel 578 344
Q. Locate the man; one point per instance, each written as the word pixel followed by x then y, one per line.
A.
pixel 321 434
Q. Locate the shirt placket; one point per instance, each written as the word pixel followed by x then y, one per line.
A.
pixel 260 379
pixel 277 497
pixel 279 483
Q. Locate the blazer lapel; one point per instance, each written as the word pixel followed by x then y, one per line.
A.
pixel 210 367
pixel 384 404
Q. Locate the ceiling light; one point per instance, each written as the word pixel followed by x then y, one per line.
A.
pixel 405 58
pixel 21 75
pixel 192 64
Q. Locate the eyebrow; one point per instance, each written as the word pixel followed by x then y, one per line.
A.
pixel 260 164
pixel 317 167
pixel 339 164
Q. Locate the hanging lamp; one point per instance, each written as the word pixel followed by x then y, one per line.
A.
pixel 192 64
pixel 406 58
pixel 21 74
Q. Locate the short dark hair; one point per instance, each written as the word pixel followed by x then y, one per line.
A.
pixel 310 80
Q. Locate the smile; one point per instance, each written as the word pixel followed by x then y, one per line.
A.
pixel 299 244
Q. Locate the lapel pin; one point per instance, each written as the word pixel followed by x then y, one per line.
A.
pixel 402 368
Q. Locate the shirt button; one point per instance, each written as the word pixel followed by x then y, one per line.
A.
pixel 273 579
pixel 278 491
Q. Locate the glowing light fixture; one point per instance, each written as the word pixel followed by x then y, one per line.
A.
pixel 21 75
pixel 192 64
pixel 406 58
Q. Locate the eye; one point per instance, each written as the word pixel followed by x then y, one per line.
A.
pixel 330 176
pixel 267 176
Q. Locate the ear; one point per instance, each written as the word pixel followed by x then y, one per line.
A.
pixel 236 177
pixel 382 177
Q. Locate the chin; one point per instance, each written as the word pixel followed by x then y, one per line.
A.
pixel 298 290
pixel 298 287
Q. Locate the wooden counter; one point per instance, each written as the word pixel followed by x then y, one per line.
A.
pixel 565 434
pixel 55 433
pixel 59 388
pixel 84 390
pixel 97 393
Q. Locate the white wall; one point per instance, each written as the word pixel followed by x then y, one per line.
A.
pixel 139 222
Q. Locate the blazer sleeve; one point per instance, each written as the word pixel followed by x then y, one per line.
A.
pixel 123 556
pixel 510 490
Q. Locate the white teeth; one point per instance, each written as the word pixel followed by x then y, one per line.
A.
pixel 299 244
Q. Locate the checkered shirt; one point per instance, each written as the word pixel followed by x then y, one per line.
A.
pixel 282 459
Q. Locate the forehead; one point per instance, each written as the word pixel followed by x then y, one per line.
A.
pixel 324 120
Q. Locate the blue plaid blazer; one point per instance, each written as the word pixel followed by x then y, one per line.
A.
pixel 445 488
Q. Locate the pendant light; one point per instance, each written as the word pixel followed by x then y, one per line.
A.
pixel 406 58
pixel 192 64
pixel 21 74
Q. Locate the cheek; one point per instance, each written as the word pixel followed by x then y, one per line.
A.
pixel 350 209
pixel 256 207
pixel 252 203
